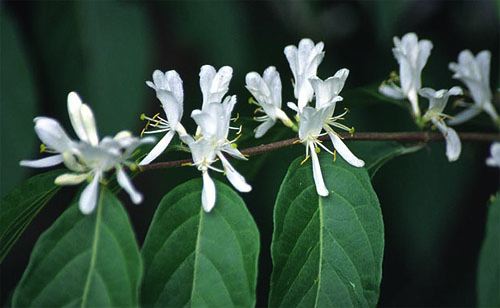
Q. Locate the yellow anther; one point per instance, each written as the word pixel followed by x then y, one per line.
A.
pixel 297 141
pixel 317 149
pixel 142 117
pixel 186 164
pixel 133 167
pixel 234 145
pixel 43 148
pixel 334 155
pixel 352 130
pixel 252 101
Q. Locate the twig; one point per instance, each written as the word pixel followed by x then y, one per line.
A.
pixel 399 136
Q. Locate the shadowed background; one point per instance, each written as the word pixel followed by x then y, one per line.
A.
pixel 434 211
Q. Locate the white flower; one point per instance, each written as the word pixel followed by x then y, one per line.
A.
pixel 169 91
pixel 267 93
pixel 304 62
pixel 88 158
pixel 214 84
pixel 437 103
pixel 213 123
pixel 312 121
pixel 494 159
pixel 412 56
pixel 475 74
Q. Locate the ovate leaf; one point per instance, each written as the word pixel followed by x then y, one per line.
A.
pixel 488 276
pixel 84 260
pixel 377 153
pixel 21 205
pixel 326 251
pixel 200 259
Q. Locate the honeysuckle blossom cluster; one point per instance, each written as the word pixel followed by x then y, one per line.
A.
pixel 88 158
pixel 412 55
pixel 213 119
pixel 313 122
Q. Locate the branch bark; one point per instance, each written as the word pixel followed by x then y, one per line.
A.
pixel 420 137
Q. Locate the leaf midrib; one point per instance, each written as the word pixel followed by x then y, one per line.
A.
pixel 93 256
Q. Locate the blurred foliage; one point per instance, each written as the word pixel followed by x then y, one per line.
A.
pixel 434 211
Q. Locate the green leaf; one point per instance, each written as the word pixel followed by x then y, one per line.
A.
pixel 84 260
pixel 377 153
pixel 326 251
pixel 17 108
pixel 21 205
pixel 488 276
pixel 200 259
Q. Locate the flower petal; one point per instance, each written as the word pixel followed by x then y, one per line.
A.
pixel 344 151
pixel 318 177
pixel 158 148
pixel 263 128
pixel 125 183
pixel 465 115
pixel 453 144
pixel 391 91
pixel 233 176
pixel 70 178
pixel 43 162
pixel 208 193
pixel 88 198
pixel 52 134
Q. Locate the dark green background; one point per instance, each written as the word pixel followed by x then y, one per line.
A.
pixel 434 211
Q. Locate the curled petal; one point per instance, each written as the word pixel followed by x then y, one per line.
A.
pixel 263 128
pixel 70 179
pixel 391 91
pixel 234 177
pixel 453 144
pixel 52 134
pixel 88 198
pixel 82 119
pixel 344 151
pixel 43 162
pixel 125 183
pixel 208 193
pixel 158 148
pixel 465 115
pixel 318 176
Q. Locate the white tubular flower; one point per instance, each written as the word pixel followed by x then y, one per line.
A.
pixel 214 84
pixel 314 120
pixel 214 126
pixel 89 158
pixel 169 91
pixel 267 93
pixel 494 159
pixel 437 103
pixel 412 56
pixel 474 72
pixel 304 62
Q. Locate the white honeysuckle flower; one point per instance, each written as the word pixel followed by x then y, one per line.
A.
pixel 312 121
pixel 304 62
pixel 327 91
pixel 437 103
pixel 88 158
pixel 412 56
pixel 169 91
pixel 474 72
pixel 214 84
pixel 494 159
pixel 267 93
pixel 214 125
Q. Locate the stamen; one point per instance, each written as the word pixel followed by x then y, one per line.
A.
pixel 324 147
pixel 236 118
pixel 305 159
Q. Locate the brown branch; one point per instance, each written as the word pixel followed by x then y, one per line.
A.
pixel 399 136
